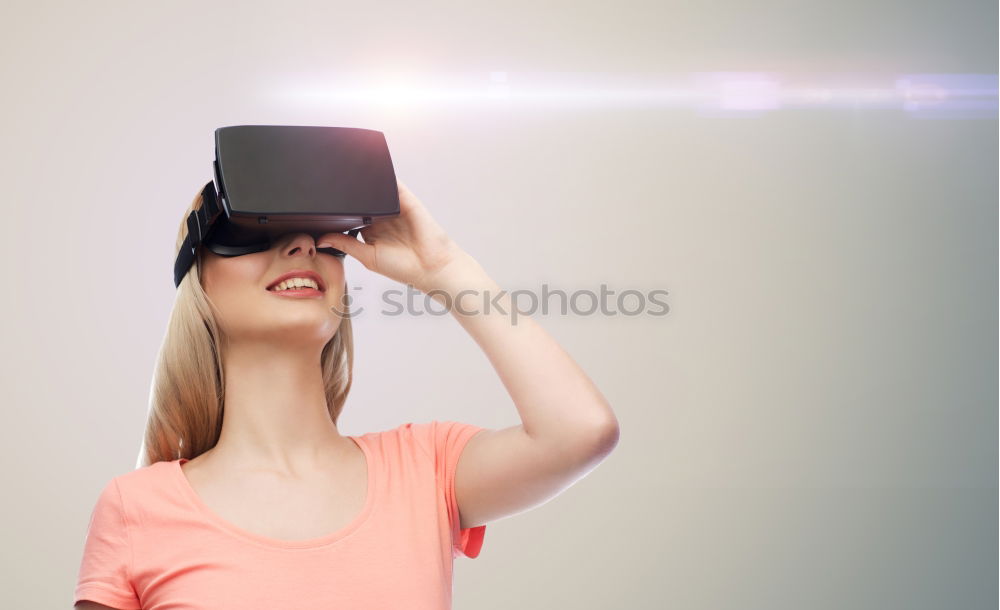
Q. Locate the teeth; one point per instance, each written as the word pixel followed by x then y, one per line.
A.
pixel 296 282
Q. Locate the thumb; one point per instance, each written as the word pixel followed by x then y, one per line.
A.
pixel 351 245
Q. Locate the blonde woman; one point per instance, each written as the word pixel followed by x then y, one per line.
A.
pixel 249 496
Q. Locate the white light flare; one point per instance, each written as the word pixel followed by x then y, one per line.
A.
pixel 707 94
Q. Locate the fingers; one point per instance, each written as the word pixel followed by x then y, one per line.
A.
pixel 351 245
pixel 408 202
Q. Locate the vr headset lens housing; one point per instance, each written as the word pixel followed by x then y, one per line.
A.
pixel 274 180
pixel 224 241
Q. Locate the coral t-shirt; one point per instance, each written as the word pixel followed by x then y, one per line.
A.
pixel 153 545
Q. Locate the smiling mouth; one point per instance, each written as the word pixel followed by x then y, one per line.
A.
pixel 294 281
pixel 301 292
pixel 293 288
pixel 296 289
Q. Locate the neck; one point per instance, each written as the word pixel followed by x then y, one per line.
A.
pixel 276 414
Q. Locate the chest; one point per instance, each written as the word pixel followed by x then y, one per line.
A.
pixel 284 509
pixel 398 554
pixel 295 512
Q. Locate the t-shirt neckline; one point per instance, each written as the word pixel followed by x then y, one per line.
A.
pixel 309 543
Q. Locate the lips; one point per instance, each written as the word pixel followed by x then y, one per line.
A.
pixel 299 273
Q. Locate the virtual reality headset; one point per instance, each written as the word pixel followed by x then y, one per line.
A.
pixel 277 179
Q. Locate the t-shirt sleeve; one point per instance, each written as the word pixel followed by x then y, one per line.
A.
pixel 105 571
pixel 450 438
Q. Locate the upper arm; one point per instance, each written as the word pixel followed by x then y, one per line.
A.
pixel 87 605
pixel 505 472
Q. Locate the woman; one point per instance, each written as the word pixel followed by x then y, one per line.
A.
pixel 249 496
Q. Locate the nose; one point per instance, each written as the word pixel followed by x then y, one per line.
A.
pixel 298 244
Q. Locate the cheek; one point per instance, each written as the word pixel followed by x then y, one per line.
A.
pixel 333 273
pixel 231 281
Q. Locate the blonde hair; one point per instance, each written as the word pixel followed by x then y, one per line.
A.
pixel 186 398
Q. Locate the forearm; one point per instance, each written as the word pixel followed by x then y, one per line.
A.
pixel 554 397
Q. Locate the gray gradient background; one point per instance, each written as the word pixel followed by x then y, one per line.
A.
pixel 814 423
